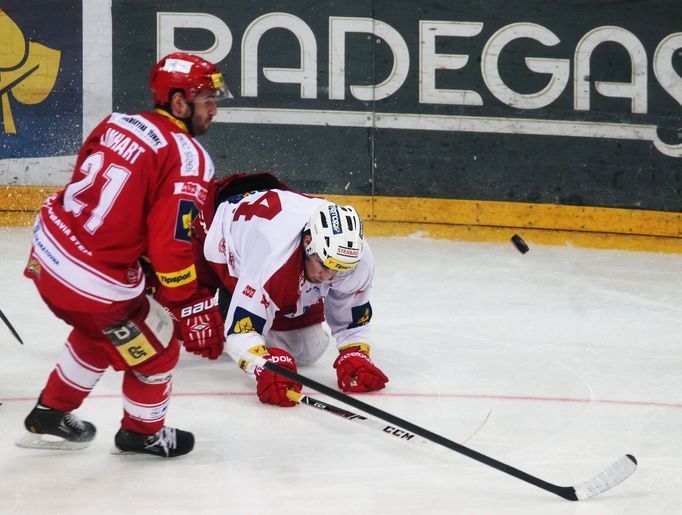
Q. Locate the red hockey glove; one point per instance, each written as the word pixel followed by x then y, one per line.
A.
pixel 272 388
pixel 201 327
pixel 356 372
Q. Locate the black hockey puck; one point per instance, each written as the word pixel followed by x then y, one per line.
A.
pixel 520 245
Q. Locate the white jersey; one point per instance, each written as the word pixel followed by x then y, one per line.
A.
pixel 256 244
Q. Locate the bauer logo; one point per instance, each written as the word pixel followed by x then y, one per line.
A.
pixel 40 80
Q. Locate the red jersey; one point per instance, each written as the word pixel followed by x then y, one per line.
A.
pixel 138 182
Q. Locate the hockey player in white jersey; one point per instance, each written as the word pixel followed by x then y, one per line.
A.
pixel 290 262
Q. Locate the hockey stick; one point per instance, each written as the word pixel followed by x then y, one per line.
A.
pixel 607 479
pixel 14 332
pixel 349 415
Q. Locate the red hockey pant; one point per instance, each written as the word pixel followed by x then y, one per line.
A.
pixel 137 338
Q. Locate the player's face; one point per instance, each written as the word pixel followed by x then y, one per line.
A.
pixel 205 108
pixel 316 272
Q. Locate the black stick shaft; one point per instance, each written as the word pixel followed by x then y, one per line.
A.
pixel 565 492
pixel 349 415
pixel 14 332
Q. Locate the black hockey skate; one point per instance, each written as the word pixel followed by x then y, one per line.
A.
pixel 167 443
pixel 55 429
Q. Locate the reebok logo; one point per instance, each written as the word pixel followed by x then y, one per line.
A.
pixel 354 354
pixel 282 359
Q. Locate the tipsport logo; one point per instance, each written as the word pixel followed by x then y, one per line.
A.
pixel 28 70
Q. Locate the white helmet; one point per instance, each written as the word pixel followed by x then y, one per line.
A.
pixel 336 233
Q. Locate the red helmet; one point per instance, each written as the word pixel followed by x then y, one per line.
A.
pixel 187 72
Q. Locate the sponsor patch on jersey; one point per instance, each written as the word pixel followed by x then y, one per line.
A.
pixel 361 315
pixel 178 278
pixel 189 157
pixel 335 219
pixel 187 212
pixel 142 128
pixel 249 291
pixel 191 188
pixel 245 322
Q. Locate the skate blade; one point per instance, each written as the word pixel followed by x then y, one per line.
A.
pixel 116 451
pixel 37 441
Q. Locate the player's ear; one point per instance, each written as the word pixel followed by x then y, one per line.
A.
pixel 178 104
pixel 307 238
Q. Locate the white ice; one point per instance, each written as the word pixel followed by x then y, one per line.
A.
pixel 556 362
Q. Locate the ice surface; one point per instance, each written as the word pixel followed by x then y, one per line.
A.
pixel 574 355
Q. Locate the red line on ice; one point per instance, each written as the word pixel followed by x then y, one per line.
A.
pixel 623 402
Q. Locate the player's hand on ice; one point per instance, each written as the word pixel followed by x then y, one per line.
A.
pixel 272 388
pixel 201 327
pixel 356 372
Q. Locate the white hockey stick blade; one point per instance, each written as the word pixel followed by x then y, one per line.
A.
pixel 612 476
pixel 38 441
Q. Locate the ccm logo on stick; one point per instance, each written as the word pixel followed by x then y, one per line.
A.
pixel 398 432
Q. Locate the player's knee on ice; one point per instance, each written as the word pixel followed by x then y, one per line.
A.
pixel 306 344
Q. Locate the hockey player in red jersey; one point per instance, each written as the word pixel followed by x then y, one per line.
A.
pixel 291 262
pixel 138 182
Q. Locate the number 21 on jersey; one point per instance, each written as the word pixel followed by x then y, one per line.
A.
pixel 115 176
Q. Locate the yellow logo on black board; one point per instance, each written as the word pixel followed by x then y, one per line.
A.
pixel 28 70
